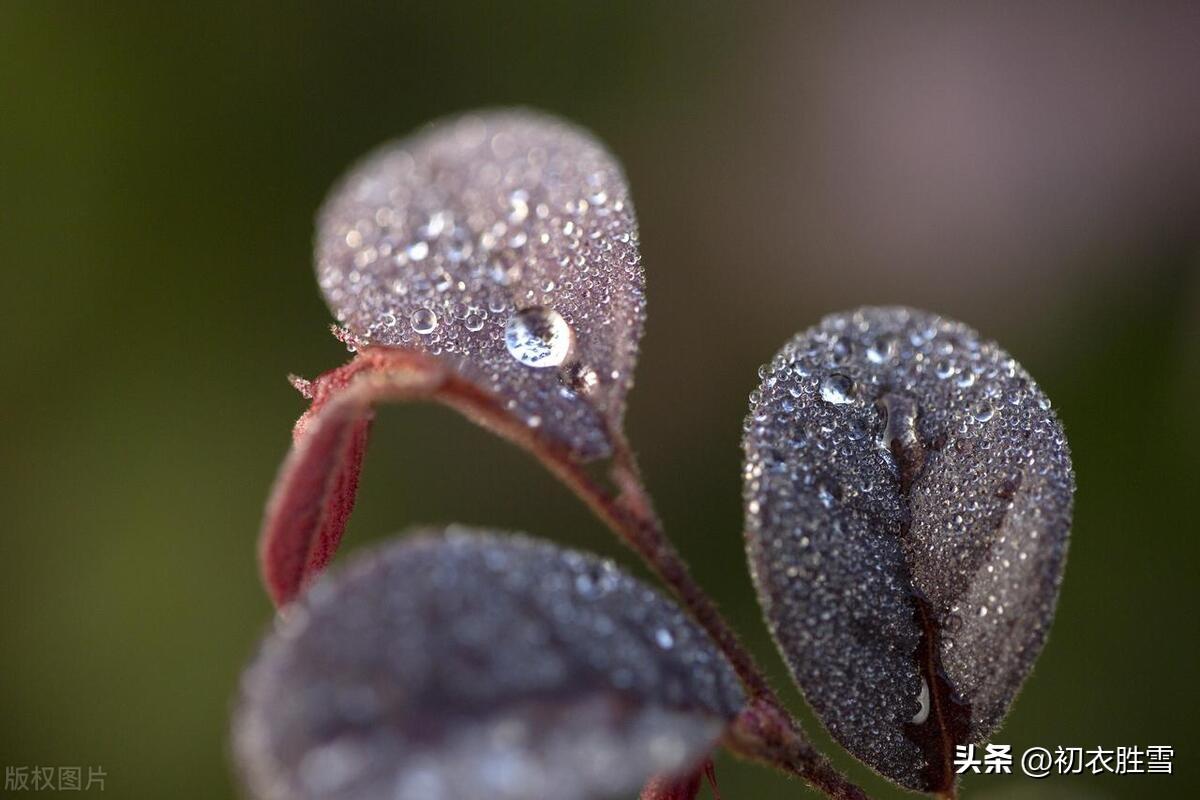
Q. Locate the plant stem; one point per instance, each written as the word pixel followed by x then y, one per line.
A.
pixel 630 514
pixel 764 731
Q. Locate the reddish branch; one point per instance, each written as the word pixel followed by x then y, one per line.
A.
pixel 314 494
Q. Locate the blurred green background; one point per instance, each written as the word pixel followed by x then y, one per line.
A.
pixel 1033 171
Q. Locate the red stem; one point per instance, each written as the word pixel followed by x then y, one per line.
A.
pixel 296 544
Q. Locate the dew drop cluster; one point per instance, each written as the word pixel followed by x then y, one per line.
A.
pixel 505 242
pixel 463 665
pixel 893 455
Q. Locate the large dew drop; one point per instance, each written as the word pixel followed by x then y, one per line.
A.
pixel 473 666
pixel 538 337
pixel 424 321
pixel 837 388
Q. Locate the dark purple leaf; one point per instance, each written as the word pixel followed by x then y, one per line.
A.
pixel 492 260
pixel 468 665
pixel 505 244
pixel 908 495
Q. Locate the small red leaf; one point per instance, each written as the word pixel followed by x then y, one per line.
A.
pixel 314 493
pixel 313 497
pixel 710 772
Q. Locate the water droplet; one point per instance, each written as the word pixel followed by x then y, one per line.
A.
pixel 473 321
pixel 581 377
pixel 664 638
pixel 458 247
pixel 538 337
pixel 418 250
pixel 504 276
pixel 519 201
pixel 436 225
pixel 923 704
pixel 837 388
pixel 424 321
pixel 984 412
pixel 882 349
pixel 828 493
pixel 842 348
pixel 595 581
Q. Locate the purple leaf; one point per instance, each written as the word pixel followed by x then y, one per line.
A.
pixel 908 502
pixel 490 263
pixel 505 244
pixel 314 492
pixel 469 665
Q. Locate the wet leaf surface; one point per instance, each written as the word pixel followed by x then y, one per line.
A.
pixel 505 243
pixel 908 496
pixel 468 665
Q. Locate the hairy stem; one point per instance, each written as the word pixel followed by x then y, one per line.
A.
pixel 630 514
pixel 765 731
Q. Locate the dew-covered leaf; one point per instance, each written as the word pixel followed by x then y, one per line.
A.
pixel 467 665
pixel 504 242
pixel 908 500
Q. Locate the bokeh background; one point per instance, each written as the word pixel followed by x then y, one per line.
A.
pixel 1032 170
